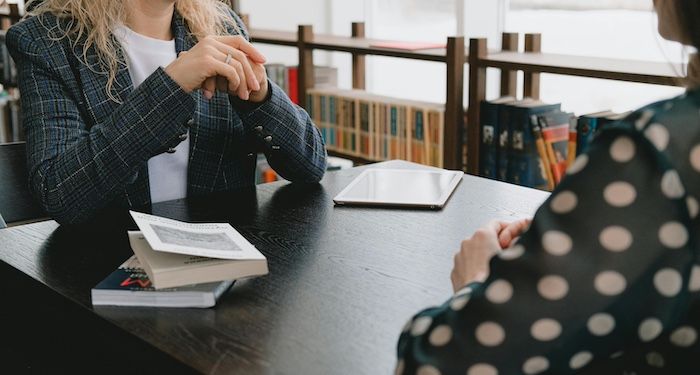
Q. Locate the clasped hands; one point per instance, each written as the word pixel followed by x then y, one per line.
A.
pixel 471 263
pixel 222 63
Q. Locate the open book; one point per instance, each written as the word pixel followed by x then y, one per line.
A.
pixel 174 253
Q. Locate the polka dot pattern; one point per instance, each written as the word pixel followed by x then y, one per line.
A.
pixel 513 253
pixel 655 359
pixel 421 325
pixel 458 303
pixel 615 238
pixel 694 284
pixel 440 336
pixel 644 119
pixel 564 202
pixel 428 370
pixel 684 337
pixel 695 158
pixel 553 287
pixel 622 150
pixel 535 365
pixel 482 369
pixel 545 329
pixel 650 329
pixel 610 283
pixel 580 360
pixel 658 135
pixel 668 282
pixel 671 185
pixel 490 334
pixel 620 194
pixel 673 235
pixel 500 291
pixel 693 206
pixel 578 165
pixel 601 324
pixel 557 243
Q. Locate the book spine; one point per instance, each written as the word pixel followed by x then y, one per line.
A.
pixel 488 150
pixel 293 84
pixel 504 121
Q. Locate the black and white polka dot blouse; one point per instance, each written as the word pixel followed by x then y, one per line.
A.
pixel 605 281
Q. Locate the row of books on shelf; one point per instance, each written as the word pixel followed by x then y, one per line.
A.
pixel 377 128
pixel 287 77
pixel 531 143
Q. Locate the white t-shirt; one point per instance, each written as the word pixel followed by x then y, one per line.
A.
pixel 167 172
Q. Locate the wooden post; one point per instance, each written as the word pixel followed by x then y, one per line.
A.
pixel 533 43
pixel 306 62
pixel 454 107
pixel 477 93
pixel 509 78
pixel 358 60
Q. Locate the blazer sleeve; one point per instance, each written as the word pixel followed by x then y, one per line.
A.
pixel 286 134
pixel 76 170
pixel 602 269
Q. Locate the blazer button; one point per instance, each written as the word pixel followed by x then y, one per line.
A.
pixel 171 150
pixel 190 122
pixel 183 137
pixel 268 139
pixel 258 129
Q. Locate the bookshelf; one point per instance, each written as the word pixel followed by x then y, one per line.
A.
pixel 509 60
pixel 533 62
pixel 359 47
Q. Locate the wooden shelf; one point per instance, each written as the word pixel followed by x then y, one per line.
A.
pixel 279 38
pixel 657 73
pixel 509 61
pixel 362 46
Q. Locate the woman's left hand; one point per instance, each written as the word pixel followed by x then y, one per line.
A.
pixel 472 261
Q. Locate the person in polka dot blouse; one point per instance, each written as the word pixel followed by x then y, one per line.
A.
pixel 605 279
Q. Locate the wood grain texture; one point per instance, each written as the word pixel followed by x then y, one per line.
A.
pixel 342 283
pixel 16 202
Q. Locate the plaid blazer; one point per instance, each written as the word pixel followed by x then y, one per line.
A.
pixel 87 153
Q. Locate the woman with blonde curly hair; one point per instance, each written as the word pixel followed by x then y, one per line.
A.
pixel 132 102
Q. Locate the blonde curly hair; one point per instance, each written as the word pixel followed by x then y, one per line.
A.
pixel 91 23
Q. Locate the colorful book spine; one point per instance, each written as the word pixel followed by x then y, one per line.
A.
pixel 378 128
pixel 523 161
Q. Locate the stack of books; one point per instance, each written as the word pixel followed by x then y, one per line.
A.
pixel 378 128
pixel 531 143
pixel 179 264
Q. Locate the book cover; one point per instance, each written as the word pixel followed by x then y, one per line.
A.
pixel 129 285
pixel 293 84
pixel 489 145
pixel 523 166
pixel 556 140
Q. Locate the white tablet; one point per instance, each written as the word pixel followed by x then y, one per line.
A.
pixel 423 188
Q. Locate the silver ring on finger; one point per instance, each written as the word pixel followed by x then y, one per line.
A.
pixel 228 59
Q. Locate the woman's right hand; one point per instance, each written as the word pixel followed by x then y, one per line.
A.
pixel 205 64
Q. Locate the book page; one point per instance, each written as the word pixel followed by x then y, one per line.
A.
pixel 210 240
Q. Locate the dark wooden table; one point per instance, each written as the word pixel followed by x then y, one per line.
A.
pixel 342 283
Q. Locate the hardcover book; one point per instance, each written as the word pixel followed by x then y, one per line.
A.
pixel 129 285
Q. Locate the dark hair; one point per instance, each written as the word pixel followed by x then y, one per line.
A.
pixel 689 17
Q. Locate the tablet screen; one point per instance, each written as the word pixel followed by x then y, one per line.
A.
pixel 401 187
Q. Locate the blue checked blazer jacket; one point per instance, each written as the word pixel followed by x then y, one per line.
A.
pixel 87 153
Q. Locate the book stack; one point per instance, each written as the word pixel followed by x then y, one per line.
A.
pixel 378 128
pixel 531 143
pixel 179 264
pixel 287 77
